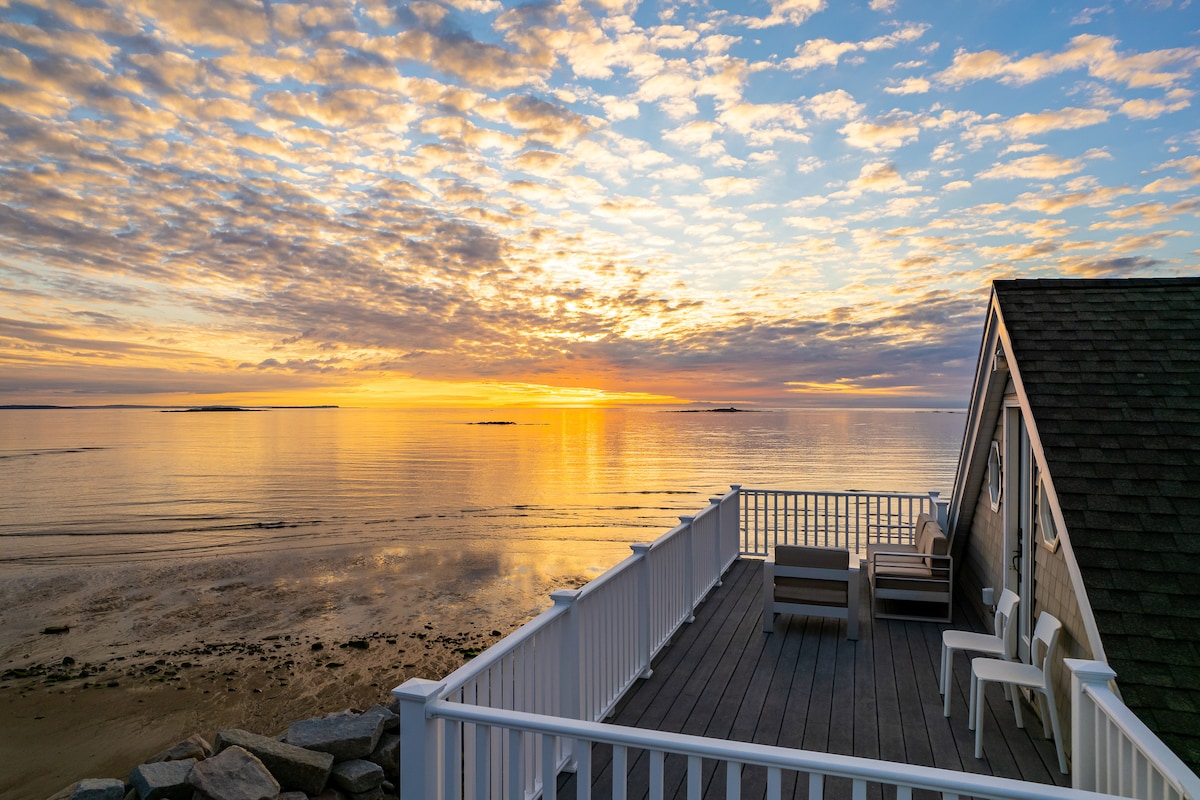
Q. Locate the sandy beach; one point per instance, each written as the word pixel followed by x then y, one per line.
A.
pixel 158 650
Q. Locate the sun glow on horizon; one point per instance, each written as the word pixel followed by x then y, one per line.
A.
pixel 568 204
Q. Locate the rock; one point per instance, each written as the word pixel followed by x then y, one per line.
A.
pixel 358 775
pixel 164 780
pixel 344 736
pixel 369 794
pixel 194 746
pixel 296 768
pixel 56 629
pixel 387 755
pixel 391 720
pixel 331 793
pixel 99 789
pixel 233 774
pixel 293 796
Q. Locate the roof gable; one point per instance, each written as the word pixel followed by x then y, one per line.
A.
pixel 1111 373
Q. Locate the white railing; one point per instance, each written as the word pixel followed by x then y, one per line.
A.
pixel 578 658
pixel 672 760
pixel 1113 751
pixel 506 723
pixel 851 520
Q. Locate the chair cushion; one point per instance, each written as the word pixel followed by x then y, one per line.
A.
pixel 794 555
pixel 932 541
pixel 812 591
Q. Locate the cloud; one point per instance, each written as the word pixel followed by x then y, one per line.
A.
pixel 1087 15
pixel 1024 126
pixel 909 86
pixel 784 12
pixel 1097 55
pixel 1040 167
pixel 837 104
pixel 816 53
pixel 884 133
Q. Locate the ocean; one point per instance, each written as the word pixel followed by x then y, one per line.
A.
pixel 164 574
pixel 95 486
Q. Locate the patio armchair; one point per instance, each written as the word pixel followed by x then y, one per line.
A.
pixel 1034 676
pixel 922 572
pixel 814 581
pixel 1000 644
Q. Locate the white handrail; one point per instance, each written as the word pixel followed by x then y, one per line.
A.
pixel 828 765
pixel 1114 751
pixel 853 520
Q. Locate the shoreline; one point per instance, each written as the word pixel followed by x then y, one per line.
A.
pixel 155 652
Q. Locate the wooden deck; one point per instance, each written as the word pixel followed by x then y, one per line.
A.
pixel 805 686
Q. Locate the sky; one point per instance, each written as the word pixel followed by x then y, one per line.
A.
pixel 569 202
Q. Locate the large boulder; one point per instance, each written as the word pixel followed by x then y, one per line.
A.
pixel 195 746
pixel 387 755
pixel 163 780
pixel 344 736
pixel 358 776
pixel 391 720
pixel 233 774
pixel 296 768
pixel 92 789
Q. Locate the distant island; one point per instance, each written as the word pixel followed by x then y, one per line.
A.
pixel 36 407
pixel 206 409
pixel 496 422
pixel 730 410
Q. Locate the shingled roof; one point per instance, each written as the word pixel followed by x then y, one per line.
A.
pixel 1111 370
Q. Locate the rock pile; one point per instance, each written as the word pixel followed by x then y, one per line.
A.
pixel 345 756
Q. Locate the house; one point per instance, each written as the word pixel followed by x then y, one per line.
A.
pixel 1078 483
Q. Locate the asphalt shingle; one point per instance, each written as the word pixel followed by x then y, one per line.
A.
pixel 1111 369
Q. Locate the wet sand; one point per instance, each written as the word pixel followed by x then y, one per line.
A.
pixel 159 650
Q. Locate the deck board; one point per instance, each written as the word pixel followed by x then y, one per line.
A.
pixel 806 686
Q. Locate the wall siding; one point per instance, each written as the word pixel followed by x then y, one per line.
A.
pixel 986 563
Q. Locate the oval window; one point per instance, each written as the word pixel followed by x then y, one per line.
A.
pixel 994 476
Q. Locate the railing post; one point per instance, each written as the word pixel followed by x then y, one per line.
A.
pixel 715 502
pixel 1084 758
pixel 571 664
pixel 689 572
pixel 739 534
pixel 420 772
pixel 941 509
pixel 571 657
pixel 643 604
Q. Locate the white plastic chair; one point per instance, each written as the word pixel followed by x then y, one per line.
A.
pixel 1035 676
pixel 1001 644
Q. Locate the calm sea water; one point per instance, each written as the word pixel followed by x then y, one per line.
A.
pixel 115 485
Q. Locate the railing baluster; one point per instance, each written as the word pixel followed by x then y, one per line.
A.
pixel 733 780
pixel 903 793
pixel 620 772
pixel 516 763
pixel 656 774
pixel 859 790
pixel 483 772
pixel 583 771
pixel 816 786
pixel 549 767
pixel 694 775
pixel 774 783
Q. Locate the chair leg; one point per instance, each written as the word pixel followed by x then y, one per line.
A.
pixel 1054 726
pixel 971 702
pixel 947 678
pixel 979 685
pixel 1016 704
